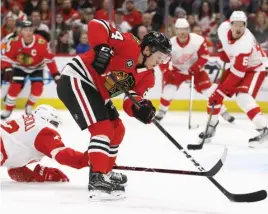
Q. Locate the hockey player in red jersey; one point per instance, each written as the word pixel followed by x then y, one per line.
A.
pixel 26 55
pixel 189 56
pixel 244 77
pixel 85 87
pixel 30 138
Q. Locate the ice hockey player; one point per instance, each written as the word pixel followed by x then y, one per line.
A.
pixel 189 55
pixel 244 77
pixel 26 55
pixel 85 87
pixel 30 138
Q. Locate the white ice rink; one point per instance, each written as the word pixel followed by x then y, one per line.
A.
pixel 245 170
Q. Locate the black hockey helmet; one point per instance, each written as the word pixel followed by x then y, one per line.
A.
pixel 26 23
pixel 156 42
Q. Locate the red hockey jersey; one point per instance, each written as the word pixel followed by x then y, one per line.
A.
pixel 28 57
pixel 123 64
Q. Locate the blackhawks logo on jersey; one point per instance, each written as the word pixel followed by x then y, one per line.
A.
pixel 41 41
pixel 25 59
pixel 125 79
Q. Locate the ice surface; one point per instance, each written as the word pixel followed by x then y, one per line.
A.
pixel 245 170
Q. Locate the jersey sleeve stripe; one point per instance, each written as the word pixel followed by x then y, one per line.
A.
pixel 104 24
pixel 237 72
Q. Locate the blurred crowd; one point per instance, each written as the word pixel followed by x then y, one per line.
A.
pixel 136 16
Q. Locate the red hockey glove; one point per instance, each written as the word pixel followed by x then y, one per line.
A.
pixel 56 77
pixel 49 174
pixel 216 98
pixel 194 70
pixel 145 113
pixel 7 74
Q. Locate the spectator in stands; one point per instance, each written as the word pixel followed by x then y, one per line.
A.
pixel 39 27
pixel 83 46
pixel 86 15
pixel 9 26
pixel 17 12
pixel 152 6
pixel 191 20
pixel 198 30
pixel 68 13
pixel 147 21
pixel 45 12
pixel 104 12
pixel 231 7
pixel 81 4
pixel 120 23
pixel 179 13
pixel 6 7
pixel 261 27
pixel 187 6
pixel 60 25
pixel 205 17
pixel 63 45
pixel 264 6
pixel 139 31
pixel 30 6
pixel 132 16
pixel 215 25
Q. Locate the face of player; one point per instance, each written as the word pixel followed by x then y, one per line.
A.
pixel 182 34
pixel 27 34
pixel 238 28
pixel 155 59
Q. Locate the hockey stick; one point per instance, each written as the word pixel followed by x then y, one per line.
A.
pixel 247 197
pixel 190 125
pixel 213 171
pixel 200 146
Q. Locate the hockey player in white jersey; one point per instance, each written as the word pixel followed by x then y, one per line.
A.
pixel 30 138
pixel 244 77
pixel 188 57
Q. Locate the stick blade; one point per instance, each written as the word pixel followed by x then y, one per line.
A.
pixel 195 146
pixel 249 197
pixel 218 165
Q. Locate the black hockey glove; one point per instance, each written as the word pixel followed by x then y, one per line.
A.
pixel 56 77
pixel 7 74
pixel 145 113
pixel 103 55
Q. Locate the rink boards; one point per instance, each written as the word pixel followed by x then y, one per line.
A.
pixel 181 101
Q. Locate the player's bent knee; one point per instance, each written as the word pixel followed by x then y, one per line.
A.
pixel 37 88
pixel 119 132
pixel 104 127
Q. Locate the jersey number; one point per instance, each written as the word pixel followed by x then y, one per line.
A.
pixel 117 35
pixel 245 60
pixel 10 126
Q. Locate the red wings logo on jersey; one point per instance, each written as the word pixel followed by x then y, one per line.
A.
pixel 185 57
pixel 125 79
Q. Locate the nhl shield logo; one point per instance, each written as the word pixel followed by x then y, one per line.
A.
pixel 129 63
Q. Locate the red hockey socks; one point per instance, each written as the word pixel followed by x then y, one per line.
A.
pixel 13 92
pixel 36 92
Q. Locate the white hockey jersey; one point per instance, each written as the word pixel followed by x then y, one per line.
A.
pixel 244 53
pixel 22 141
pixel 184 56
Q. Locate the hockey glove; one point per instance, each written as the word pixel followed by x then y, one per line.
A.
pixel 103 55
pixel 56 77
pixel 216 98
pixel 145 113
pixel 7 74
pixel 49 174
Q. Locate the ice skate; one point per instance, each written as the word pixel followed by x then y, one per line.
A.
pixel 209 135
pixel 6 114
pixel 102 188
pixel 226 116
pixel 160 115
pixel 117 178
pixel 260 141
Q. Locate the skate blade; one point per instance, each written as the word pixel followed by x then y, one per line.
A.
pixel 258 145
pixel 97 195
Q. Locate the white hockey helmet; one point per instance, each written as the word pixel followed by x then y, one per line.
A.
pixel 48 114
pixel 182 23
pixel 238 15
